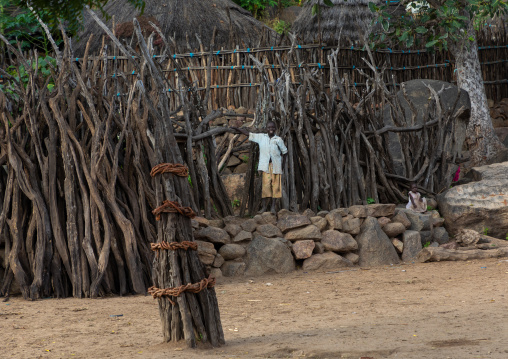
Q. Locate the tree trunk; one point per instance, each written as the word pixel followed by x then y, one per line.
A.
pixel 481 139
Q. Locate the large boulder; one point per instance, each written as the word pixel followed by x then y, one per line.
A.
pixel 334 219
pixel 326 261
pixel 269 230
pixel 303 249
pixel 419 221
pixel 480 205
pixel 232 268
pixel 268 255
pixel 206 252
pixel 231 251
pixel 412 245
pixel 374 246
pixel 394 229
pixel 421 97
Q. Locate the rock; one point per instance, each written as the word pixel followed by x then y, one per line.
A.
pixel 401 217
pixel 440 235
pixel 231 251
pixel 383 221
pixel 336 241
pixel 303 249
pixel 432 203
pixel 334 219
pixel 218 261
pixel 249 225
pixel 399 245
pixel 269 230
pixel 226 171
pixel 374 246
pixel 233 229
pixel 319 248
pixel 203 222
pixel 259 219
pixel 232 220
pixel 319 222
pixel 234 184
pixel 325 261
pixel 309 232
pixel 450 245
pixel 241 168
pixel 217 223
pixel 194 224
pixel 212 234
pixel 434 244
pixel 242 236
pixel 394 229
pixel 479 204
pixel 419 221
pixel 268 255
pixel 233 161
pixel 412 245
pixel 216 273
pixel 372 210
pixel 352 257
pixel 289 222
pixel 467 237
pixel 438 222
pixel 283 213
pixel 269 218
pixel 233 269
pixel 322 213
pixel 309 213
pixel 241 110
pixel 206 252
pixel 351 225
pixel 426 237
pixel 343 211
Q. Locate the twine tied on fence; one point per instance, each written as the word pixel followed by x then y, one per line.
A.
pixel 174 168
pixel 185 245
pixel 176 291
pixel 173 207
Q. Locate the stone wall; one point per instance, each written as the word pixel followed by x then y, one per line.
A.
pixel 377 234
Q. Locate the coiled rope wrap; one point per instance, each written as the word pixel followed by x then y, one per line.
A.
pixel 173 207
pixel 174 168
pixel 185 245
pixel 176 291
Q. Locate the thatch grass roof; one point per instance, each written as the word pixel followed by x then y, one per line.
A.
pixel 183 19
pixel 348 19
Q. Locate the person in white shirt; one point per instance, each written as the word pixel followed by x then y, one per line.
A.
pixel 272 160
pixel 416 202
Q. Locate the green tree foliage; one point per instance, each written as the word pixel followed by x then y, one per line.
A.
pixel 69 11
pixel 435 24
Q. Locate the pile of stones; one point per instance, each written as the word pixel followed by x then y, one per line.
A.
pixel 371 235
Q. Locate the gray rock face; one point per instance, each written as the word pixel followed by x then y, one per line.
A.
pixel 249 225
pixel 426 237
pixel 374 246
pixel 412 245
pixel 440 235
pixel 401 217
pixel 268 255
pixel 319 248
pixel 419 221
pixel 303 249
pixel 269 218
pixel 232 269
pixel 309 213
pixel 336 241
pixel 325 261
pixel 399 245
pixel 231 251
pixel 334 219
pixel 319 222
pixel 206 252
pixel 212 234
pixel 290 222
pixel 233 229
pixel 269 230
pixel 352 257
pixel 218 261
pixel 242 236
pixel 419 94
pixel 372 210
pixel 480 204
pixel 309 232
pixel 351 225
pixel 394 229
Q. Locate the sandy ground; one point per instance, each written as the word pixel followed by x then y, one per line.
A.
pixel 437 310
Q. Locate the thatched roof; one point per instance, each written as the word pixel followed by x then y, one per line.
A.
pixel 181 19
pixel 349 18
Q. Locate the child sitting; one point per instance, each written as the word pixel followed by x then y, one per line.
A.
pixel 416 202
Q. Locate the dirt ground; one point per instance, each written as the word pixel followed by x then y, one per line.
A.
pixel 434 310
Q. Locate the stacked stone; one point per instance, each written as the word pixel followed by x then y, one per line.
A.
pixel 371 235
